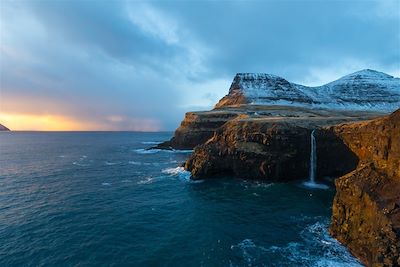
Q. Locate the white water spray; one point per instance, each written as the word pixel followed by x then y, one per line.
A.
pixel 313 165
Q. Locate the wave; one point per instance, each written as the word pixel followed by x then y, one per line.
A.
pixel 139 163
pixel 316 248
pixel 106 184
pixel 135 163
pixel 80 164
pixel 111 163
pixel 147 180
pixel 151 142
pixel 250 253
pixel 156 150
pixel 147 151
pixel 181 173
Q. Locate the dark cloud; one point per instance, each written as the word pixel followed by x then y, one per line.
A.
pixel 154 60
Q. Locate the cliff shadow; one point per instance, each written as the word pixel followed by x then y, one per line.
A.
pixel 335 158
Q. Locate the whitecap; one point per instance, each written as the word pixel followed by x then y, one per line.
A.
pixel 156 150
pixel 181 173
pixel 151 142
pixel 147 180
pixel 106 184
pixel 111 163
pixel 249 251
pixel 134 163
pixel 147 151
pixel 317 248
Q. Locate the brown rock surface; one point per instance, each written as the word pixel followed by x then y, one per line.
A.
pixel 366 209
pixel 197 128
pixel 272 143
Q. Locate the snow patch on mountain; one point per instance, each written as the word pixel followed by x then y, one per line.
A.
pixel 363 90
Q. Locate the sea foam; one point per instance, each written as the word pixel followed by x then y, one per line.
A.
pixel 181 173
pixel 156 150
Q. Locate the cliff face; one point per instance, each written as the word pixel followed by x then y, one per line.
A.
pixel 366 209
pixel 197 128
pixel 274 146
pixel 3 128
pixel 253 149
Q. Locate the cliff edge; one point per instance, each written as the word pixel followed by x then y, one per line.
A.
pixel 366 208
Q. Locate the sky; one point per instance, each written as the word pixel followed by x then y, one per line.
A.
pixel 140 65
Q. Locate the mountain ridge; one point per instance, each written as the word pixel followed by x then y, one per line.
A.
pixel 362 90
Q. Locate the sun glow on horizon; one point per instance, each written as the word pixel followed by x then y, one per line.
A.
pixel 26 122
pixel 47 122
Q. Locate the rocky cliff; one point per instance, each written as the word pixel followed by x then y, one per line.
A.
pixel 197 128
pixel 274 146
pixel 365 90
pixel 366 209
pixel 3 128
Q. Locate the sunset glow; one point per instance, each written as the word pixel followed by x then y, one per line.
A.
pixel 145 63
pixel 25 122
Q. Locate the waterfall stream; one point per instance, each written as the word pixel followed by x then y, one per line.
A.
pixel 313 165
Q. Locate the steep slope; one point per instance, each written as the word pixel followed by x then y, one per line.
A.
pixel 274 145
pixel 366 209
pixel 362 90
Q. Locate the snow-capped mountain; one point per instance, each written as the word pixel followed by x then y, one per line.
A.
pixel 362 90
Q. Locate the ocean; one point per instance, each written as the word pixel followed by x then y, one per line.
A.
pixel 102 199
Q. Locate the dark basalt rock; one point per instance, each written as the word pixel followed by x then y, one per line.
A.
pixel 273 149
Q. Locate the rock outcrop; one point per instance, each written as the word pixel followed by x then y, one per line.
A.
pixel 197 128
pixel 274 146
pixel 3 128
pixel 366 209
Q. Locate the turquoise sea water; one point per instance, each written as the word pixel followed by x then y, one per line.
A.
pixel 100 199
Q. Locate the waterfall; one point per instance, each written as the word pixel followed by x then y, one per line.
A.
pixel 313 158
pixel 313 165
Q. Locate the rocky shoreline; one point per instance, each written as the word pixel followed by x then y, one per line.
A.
pixel 271 142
